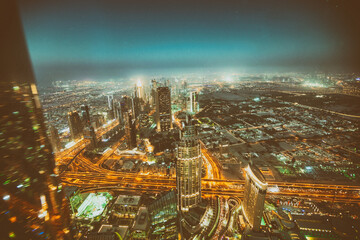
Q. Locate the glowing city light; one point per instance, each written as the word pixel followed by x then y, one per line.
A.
pixel 70 144
pixel 313 84
pixel 6 197
pixel 139 84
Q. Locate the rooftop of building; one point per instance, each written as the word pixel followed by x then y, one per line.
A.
pixel 108 228
pixel 128 200
pixel 142 220
pixel 256 175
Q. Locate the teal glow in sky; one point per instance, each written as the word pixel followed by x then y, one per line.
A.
pixel 71 39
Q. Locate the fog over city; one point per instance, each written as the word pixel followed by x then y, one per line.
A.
pixel 169 120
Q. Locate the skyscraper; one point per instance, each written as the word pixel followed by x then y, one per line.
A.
pixel 136 104
pixel 110 112
pixel 130 129
pixel 110 102
pixel 153 93
pixel 139 91
pixel 163 109
pixel 194 105
pixel 54 139
pixel 163 216
pixel 31 200
pixel 89 133
pixel 75 125
pixel 254 196
pixel 85 115
pixel 188 168
pixel 118 112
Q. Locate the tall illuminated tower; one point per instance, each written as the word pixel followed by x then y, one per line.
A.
pixel 110 99
pixel 163 109
pixel 254 196
pixel 75 125
pixel 139 91
pixel 130 129
pixel 153 93
pixel 54 139
pixel 89 133
pixel 118 112
pixel 194 105
pixel 31 198
pixel 85 115
pixel 188 168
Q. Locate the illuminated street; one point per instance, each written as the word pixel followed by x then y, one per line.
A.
pixel 180 120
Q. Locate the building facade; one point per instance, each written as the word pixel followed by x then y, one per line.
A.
pixel 188 168
pixel 31 199
pixel 163 109
pixel 139 91
pixel 110 99
pixel 194 105
pixel 254 197
pixel 54 139
pixel 85 115
pixel 163 216
pixel 75 125
pixel 89 133
pixel 118 112
pixel 130 129
pixel 153 88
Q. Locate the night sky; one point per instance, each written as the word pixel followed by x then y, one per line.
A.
pixel 80 39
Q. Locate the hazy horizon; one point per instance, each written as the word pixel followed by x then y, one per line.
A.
pixel 109 39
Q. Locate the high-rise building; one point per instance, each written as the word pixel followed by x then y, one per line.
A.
pixel 254 196
pixel 130 129
pixel 89 133
pixel 163 215
pixel 139 98
pixel 30 197
pixel 85 115
pixel 127 106
pixel 110 113
pixel 133 137
pixel 75 125
pixel 110 102
pixel 139 91
pixel 136 104
pixel 153 93
pixel 194 105
pixel 126 103
pixel 54 139
pixel 188 168
pixel 163 109
pixel 118 112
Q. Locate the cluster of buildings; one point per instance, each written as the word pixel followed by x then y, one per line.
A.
pixel 131 110
pixel 33 203
pixel 293 140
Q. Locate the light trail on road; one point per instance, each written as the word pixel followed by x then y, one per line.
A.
pixel 92 177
